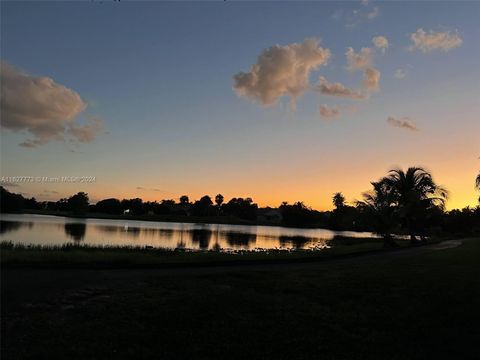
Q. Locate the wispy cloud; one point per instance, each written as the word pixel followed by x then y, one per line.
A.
pixel 404 123
pixel 50 192
pixel 338 89
pixel 328 112
pixel 381 43
pixel 149 189
pixel 359 60
pixel 281 71
pixel 400 74
pixel 355 17
pixel 429 41
pixel 88 132
pixel 371 79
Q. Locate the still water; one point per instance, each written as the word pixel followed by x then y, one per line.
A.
pixel 55 230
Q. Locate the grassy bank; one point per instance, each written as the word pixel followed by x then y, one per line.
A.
pixel 84 256
pixel 421 306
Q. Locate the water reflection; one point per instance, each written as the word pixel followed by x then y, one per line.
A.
pixel 76 231
pixel 8 226
pixel 55 230
pixel 244 240
pixel 201 237
pixel 297 242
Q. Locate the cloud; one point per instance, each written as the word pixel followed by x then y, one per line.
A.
pixel 404 123
pixel 281 71
pixel 353 18
pixel 338 89
pixel 381 43
pixel 87 133
pixel 400 74
pixel 364 2
pixel 359 60
pixel 37 104
pixel 373 14
pixel 41 107
pixel 327 112
pixel 371 79
pixel 426 42
pixel 50 192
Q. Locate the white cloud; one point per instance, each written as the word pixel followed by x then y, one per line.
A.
pixel 338 89
pixel 371 79
pixel 381 43
pixel 404 123
pixel 400 73
pixel 40 106
pixel 328 112
pixel 281 71
pixel 426 42
pixel 359 60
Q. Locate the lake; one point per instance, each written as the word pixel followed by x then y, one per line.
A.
pixel 56 230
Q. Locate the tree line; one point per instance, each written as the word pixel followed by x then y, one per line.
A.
pixel 403 202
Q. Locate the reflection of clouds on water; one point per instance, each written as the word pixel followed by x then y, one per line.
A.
pixel 76 231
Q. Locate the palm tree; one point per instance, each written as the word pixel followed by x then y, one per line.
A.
pixel 338 200
pixel 219 201
pixel 379 205
pixel 415 194
pixel 477 184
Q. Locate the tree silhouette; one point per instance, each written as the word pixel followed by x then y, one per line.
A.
pixel 184 199
pixel 338 200
pixel 477 184
pixel 379 205
pixel 109 206
pixel 203 206
pixel 219 200
pixel 415 194
pixel 78 203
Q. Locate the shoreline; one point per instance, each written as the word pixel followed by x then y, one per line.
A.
pixel 220 220
pixel 120 257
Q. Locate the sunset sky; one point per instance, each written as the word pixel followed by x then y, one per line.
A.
pixel 287 101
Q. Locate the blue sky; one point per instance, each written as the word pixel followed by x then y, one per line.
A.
pixel 160 77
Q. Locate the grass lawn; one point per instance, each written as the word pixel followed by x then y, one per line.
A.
pixel 387 306
pixel 84 256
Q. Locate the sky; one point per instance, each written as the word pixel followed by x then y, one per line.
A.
pixel 278 101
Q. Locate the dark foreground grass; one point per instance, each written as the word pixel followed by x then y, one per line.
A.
pixel 85 256
pixel 389 306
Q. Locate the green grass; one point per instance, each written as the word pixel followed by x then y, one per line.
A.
pixel 85 256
